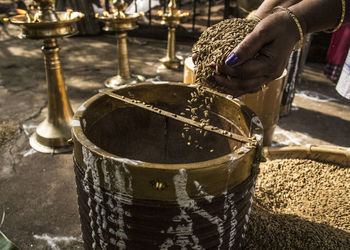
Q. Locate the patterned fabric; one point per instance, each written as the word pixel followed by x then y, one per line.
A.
pixel 339 46
pixel 332 72
pixel 343 85
pixel 336 53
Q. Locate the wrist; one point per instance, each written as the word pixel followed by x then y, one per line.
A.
pixel 301 19
pixel 267 6
pixel 293 25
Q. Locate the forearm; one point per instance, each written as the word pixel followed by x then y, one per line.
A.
pixel 320 15
pixel 267 6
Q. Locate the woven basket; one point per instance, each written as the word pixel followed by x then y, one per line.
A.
pixel 331 154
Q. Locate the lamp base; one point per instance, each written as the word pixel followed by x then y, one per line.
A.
pixel 38 146
pixel 118 80
pixel 170 63
pixel 51 138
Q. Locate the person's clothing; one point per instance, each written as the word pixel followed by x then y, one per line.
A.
pixel 337 52
pixel 332 71
pixel 292 79
pixel 294 68
pixel 343 85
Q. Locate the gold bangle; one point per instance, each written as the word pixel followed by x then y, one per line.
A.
pixel 342 16
pixel 300 43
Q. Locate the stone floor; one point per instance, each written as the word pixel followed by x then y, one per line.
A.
pixel 37 191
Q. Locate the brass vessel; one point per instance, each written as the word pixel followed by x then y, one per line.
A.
pixel 120 22
pixel 66 26
pixel 151 146
pixel 172 19
pixel 136 174
pixel 266 104
pixel 45 23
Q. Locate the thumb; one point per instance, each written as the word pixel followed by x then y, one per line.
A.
pixel 248 48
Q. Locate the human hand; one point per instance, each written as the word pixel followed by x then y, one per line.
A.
pixel 194 57
pixel 260 58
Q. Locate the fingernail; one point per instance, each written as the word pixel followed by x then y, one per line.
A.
pixel 232 59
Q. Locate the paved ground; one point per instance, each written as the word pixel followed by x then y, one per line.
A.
pixel 37 191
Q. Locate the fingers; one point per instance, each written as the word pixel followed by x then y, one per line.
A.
pixel 250 69
pixel 259 58
pixel 237 87
pixel 194 57
pixel 249 47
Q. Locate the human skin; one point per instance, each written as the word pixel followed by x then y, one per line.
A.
pixel 262 56
pixel 266 7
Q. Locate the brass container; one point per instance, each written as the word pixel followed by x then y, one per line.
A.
pixel 52 135
pixel 189 75
pixel 265 103
pixel 139 182
pixel 66 26
pixel 171 19
pixel 170 61
pixel 121 24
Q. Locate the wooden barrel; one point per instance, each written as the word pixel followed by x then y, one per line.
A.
pixel 265 103
pixel 141 186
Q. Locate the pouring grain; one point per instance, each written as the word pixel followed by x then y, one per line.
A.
pixel 216 43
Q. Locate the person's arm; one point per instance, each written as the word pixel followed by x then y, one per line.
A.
pixel 264 10
pixel 262 55
pixel 320 15
pixel 267 6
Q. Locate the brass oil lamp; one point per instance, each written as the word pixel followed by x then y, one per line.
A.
pixel 120 22
pixel 53 134
pixel 171 18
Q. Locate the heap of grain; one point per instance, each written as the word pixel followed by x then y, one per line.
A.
pixel 300 204
pixel 216 43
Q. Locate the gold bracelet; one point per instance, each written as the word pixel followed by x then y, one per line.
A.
pixel 300 43
pixel 342 16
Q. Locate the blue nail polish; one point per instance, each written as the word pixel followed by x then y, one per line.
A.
pixel 232 59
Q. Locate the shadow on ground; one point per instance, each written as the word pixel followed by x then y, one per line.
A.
pixel 331 129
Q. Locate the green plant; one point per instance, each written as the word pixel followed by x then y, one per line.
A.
pixel 5 243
